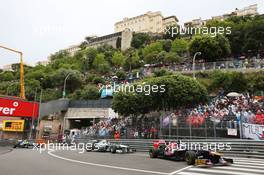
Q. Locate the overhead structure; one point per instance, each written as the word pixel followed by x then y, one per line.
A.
pixel 22 84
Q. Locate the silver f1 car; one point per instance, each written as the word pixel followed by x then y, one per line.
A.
pixel 106 146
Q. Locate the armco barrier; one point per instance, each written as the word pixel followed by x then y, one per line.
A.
pixel 234 148
pixel 6 142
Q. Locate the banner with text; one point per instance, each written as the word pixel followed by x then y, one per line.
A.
pixel 18 108
pixel 253 131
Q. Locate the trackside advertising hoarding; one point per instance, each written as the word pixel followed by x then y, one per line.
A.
pixel 253 131
pixel 18 108
pixel 13 125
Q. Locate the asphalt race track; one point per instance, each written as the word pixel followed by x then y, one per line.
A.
pixel 31 162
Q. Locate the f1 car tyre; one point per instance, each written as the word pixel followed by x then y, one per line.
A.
pixel 229 160
pixel 113 149
pixel 153 153
pixel 190 157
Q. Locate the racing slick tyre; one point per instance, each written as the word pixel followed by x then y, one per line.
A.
pixel 113 149
pixel 229 160
pixel 190 157
pixel 153 153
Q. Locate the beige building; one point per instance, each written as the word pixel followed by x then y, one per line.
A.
pixel 7 67
pixel 72 49
pixel 251 10
pixel 151 22
pixel 195 23
pixel 120 40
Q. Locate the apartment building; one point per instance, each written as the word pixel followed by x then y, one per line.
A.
pixel 251 10
pixel 151 22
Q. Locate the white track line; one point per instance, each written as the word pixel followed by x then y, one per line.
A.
pixel 239 169
pixel 216 171
pixel 177 171
pixel 187 173
pixel 249 163
pixel 107 166
pixel 248 166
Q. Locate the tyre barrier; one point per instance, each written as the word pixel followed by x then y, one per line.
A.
pixel 234 147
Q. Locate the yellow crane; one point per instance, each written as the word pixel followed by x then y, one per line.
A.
pixel 22 84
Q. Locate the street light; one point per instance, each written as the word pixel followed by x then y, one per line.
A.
pixel 193 66
pixel 64 87
pixel 22 86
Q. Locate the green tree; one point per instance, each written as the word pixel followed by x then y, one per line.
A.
pixel 74 81
pixel 254 36
pixel 121 75
pixel 229 81
pixel 180 46
pixel 140 39
pixel 150 52
pixel 7 76
pixel 212 48
pixel 100 64
pixel 89 92
pixel 167 44
pixel 97 80
pixel 161 72
pixel 118 59
pixel 187 91
pixel 153 48
pixel 255 81
pixel 132 59
pixel 172 57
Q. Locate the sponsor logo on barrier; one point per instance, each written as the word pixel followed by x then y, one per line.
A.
pixel 18 108
pixel 13 125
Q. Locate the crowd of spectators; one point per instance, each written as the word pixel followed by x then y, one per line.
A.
pixel 120 128
pixel 105 128
pixel 222 108
pixel 249 109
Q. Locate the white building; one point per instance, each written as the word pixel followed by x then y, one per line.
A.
pixel 151 22
pixel 7 67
